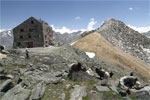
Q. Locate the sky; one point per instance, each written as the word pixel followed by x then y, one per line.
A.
pixel 70 16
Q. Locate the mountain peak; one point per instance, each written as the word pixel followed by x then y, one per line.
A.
pixel 113 22
pixel 129 40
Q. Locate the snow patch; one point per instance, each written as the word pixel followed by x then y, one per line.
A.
pixel 90 54
pixel 74 42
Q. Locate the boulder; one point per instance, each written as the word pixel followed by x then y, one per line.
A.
pixel 103 82
pixel 142 94
pixel 62 96
pixel 38 91
pixel 4 87
pixel 78 92
pixel 1 64
pixel 102 88
pixel 2 94
pixel 114 88
pixel 48 78
pixel 3 76
pixel 57 74
pixel 1 70
pixel 17 93
pixel 22 71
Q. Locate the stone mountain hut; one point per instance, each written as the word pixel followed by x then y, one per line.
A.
pixel 32 33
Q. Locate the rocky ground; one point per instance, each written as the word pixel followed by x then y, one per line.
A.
pixel 48 75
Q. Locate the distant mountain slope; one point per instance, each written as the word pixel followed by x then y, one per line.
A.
pixel 66 37
pixel 6 38
pixel 147 34
pixel 129 40
pixel 104 50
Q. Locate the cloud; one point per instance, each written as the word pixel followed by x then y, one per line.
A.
pixel 140 29
pixel 1 30
pixel 130 8
pixel 78 17
pixel 64 29
pixel 91 24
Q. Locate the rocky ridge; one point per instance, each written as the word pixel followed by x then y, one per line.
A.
pixel 147 34
pixel 129 40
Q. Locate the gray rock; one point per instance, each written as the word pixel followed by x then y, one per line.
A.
pixel 2 94
pixel 17 93
pixel 142 94
pixel 48 78
pixel 78 92
pixel 103 82
pixel 22 71
pixel 4 87
pixel 3 76
pixel 57 74
pixel 1 70
pixel 1 64
pixel 62 96
pixel 9 76
pixel 114 88
pixel 102 88
pixel 126 98
pixel 28 73
pixel 38 91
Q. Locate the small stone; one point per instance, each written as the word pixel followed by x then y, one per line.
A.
pixel 126 98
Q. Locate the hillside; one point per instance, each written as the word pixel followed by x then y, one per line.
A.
pixel 127 39
pixel 147 34
pixel 66 37
pixel 51 74
pixel 106 51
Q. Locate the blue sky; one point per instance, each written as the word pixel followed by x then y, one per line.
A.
pixel 75 15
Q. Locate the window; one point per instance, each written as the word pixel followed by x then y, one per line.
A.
pixel 21 30
pixel 31 30
pixel 32 22
pixel 18 44
pixel 29 35
pixel 21 37
pixel 38 36
pixel 45 36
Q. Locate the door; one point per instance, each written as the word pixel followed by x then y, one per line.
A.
pixel 29 44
